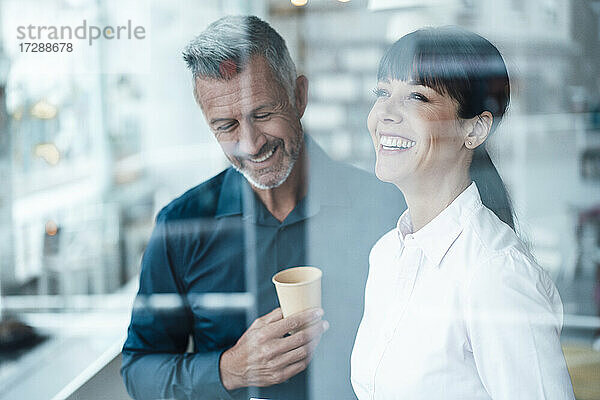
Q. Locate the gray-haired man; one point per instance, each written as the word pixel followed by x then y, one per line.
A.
pixel 283 203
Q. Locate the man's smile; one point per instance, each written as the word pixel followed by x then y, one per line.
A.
pixel 265 156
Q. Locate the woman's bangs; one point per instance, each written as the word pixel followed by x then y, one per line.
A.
pixel 421 66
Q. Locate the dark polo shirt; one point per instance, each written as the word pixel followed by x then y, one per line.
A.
pixel 219 238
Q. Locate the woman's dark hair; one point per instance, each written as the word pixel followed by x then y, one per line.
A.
pixel 469 69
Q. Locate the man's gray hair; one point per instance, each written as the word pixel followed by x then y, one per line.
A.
pixel 230 42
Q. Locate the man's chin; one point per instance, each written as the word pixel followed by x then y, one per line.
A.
pixel 263 182
pixel 267 178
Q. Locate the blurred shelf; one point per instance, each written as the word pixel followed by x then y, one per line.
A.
pixel 79 346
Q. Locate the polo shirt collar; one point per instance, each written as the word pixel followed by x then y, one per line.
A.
pixel 324 189
pixel 436 238
pixel 230 197
pixel 326 181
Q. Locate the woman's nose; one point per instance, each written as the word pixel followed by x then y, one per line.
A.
pixel 390 112
pixel 251 140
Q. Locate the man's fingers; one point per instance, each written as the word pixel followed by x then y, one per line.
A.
pixel 294 322
pixel 294 369
pixel 298 354
pixel 301 338
pixel 273 316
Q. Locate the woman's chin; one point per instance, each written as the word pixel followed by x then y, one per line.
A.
pixel 386 174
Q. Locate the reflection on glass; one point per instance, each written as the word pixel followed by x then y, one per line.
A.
pixel 87 159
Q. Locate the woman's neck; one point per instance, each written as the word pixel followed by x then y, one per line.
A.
pixel 427 198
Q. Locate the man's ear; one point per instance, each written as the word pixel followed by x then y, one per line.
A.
pixel 301 94
pixel 480 130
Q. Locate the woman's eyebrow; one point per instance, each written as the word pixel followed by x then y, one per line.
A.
pixel 412 82
pixel 423 87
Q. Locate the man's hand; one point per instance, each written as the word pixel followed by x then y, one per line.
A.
pixel 264 357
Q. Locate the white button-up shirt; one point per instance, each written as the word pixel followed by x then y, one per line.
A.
pixel 458 310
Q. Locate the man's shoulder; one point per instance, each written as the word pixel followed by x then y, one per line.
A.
pixel 365 184
pixel 357 175
pixel 355 182
pixel 198 202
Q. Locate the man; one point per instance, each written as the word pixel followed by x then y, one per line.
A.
pixel 283 203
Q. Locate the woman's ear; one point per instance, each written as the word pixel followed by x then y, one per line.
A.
pixel 480 130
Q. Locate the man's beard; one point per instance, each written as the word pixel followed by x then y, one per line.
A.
pixel 280 171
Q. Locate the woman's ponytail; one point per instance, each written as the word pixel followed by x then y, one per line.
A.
pixel 491 188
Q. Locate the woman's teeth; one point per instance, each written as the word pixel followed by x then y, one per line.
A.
pixel 265 157
pixel 391 142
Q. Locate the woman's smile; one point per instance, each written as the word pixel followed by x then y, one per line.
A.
pixel 394 143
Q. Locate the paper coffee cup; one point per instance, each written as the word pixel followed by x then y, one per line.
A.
pixel 298 289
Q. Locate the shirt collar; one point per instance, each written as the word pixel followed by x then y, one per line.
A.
pixel 324 189
pixel 436 238
pixel 230 197
pixel 326 183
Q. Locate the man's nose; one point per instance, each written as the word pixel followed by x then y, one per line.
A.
pixel 251 140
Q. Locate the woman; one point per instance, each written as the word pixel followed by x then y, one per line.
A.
pixel 455 307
